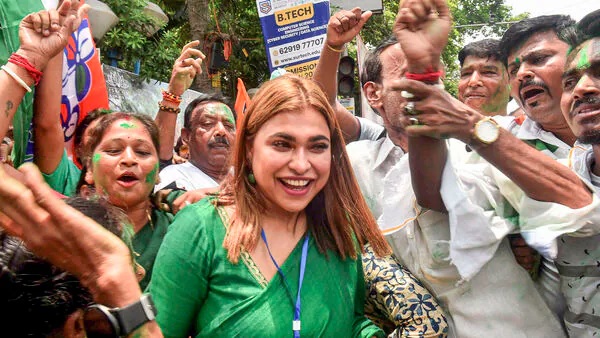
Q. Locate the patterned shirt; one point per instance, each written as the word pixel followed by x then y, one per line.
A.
pixel 499 301
pixel 578 260
pixel 397 301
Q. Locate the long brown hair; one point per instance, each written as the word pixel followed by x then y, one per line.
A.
pixel 338 217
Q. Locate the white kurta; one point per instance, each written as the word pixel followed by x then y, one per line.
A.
pixel 500 300
pixel 186 176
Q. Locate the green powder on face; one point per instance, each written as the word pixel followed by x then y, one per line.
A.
pixel 497 102
pixel 96 158
pixel 583 62
pixel 151 178
pixel 569 50
pixel 222 110
pixel 229 115
pixel 127 125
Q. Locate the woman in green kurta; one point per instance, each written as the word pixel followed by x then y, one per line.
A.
pixel 277 252
pixel 123 166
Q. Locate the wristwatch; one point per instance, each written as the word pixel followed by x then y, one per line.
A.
pixel 486 130
pixel 101 321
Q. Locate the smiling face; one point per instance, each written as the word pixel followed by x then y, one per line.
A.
pixel 124 164
pixel 580 100
pixel 290 157
pixel 209 138
pixel 535 69
pixel 483 85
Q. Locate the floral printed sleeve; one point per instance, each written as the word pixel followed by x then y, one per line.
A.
pixel 397 301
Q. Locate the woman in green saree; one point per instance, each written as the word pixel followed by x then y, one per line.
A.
pixel 277 251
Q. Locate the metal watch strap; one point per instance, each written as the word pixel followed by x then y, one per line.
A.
pixel 135 315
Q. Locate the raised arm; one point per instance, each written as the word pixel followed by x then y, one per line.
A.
pixel 184 71
pixel 343 26
pixel 42 35
pixel 47 129
pixel 422 29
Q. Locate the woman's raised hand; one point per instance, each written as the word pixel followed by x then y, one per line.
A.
pixel 45 33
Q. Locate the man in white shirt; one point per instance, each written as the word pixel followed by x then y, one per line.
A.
pixel 535 56
pixel 500 300
pixel 578 252
pixel 209 131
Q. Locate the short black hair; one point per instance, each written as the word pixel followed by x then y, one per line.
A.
pixel 78 148
pixel 587 28
pixel 519 32
pixel 372 67
pixel 486 48
pixel 35 292
pixel 201 99
pixel 590 24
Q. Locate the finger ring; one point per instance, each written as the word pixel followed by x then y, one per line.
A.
pixel 414 121
pixel 410 108
pixel 406 95
pixel 187 203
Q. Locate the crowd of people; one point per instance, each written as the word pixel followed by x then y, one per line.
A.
pixel 455 218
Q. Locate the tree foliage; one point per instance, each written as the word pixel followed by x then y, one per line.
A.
pixel 131 39
pixel 238 20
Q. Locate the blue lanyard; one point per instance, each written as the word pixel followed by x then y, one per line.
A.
pixel 296 322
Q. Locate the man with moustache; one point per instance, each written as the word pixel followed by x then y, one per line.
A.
pixel 579 253
pixel 497 301
pixel 483 83
pixel 208 130
pixel 535 55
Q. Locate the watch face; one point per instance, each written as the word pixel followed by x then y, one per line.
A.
pixel 99 323
pixel 487 131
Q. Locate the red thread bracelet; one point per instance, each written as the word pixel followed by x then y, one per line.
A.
pixel 425 77
pixel 22 62
pixel 170 97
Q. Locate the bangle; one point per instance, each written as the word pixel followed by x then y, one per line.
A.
pixel 169 109
pixel 341 50
pixel 170 97
pixel 22 62
pixel 16 78
pixel 425 77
